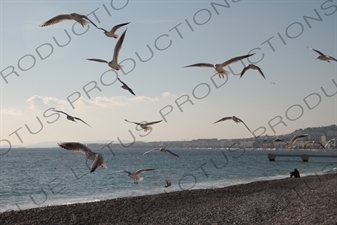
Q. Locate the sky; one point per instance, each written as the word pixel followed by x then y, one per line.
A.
pixel 42 68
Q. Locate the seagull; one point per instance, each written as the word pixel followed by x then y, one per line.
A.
pixel 167 184
pixel 111 33
pixel 135 174
pixel 252 66
pixel 126 87
pixel 235 119
pixel 82 19
pixel 327 144
pixel 292 141
pixel 322 56
pixel 69 117
pixel 161 150
pixel 312 143
pixel 114 63
pixel 144 126
pixel 219 67
pixel 78 147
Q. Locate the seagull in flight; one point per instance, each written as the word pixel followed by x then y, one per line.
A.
pixel 292 141
pixel 144 126
pixel 327 144
pixel 126 87
pixel 135 174
pixel 252 66
pixel 167 183
pixel 161 150
pixel 322 56
pixel 82 19
pixel 219 67
pixel 78 147
pixel 314 142
pixel 111 33
pixel 72 118
pixel 235 119
pixel 114 63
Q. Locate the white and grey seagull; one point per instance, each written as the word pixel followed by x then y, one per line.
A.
pixel 219 67
pixel 135 174
pixel 126 87
pixel 314 142
pixel 78 147
pixel 112 33
pixel 252 66
pixel 114 62
pixel 327 144
pixel 292 141
pixel 71 118
pixel 167 183
pixel 144 126
pixel 82 19
pixel 161 150
pixel 322 56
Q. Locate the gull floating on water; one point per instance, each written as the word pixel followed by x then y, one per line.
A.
pixel 72 118
pixel 111 33
pixel 135 174
pixel 82 19
pixel 252 66
pixel 144 126
pixel 219 67
pixel 292 141
pixel 322 56
pixel 78 147
pixel 314 142
pixel 167 183
pixel 114 63
pixel 126 87
pixel 161 150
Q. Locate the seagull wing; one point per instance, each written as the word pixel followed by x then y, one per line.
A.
pixel 142 171
pixel 150 123
pixel 85 17
pixel 259 69
pixel 245 125
pixel 153 150
pixel 99 60
pixel 77 147
pixel 318 142
pixel 172 153
pixel 132 122
pixel 223 119
pixel 56 19
pixel 279 140
pixel 294 139
pixel 200 65
pixel 129 89
pixel 316 51
pixel 333 58
pixel 327 144
pixel 235 59
pixel 81 120
pixel 98 161
pixel 308 143
pixel 244 70
pixel 61 112
pixel 113 30
pixel 118 47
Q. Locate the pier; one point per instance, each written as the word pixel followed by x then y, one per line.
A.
pixel 304 157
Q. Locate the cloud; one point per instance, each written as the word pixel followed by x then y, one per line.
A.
pixel 37 102
pixel 11 111
pixel 143 99
pixel 168 94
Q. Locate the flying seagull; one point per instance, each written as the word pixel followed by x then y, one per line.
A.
pixel 167 183
pixel 292 141
pixel 69 117
pixel 235 119
pixel 114 63
pixel 144 126
pixel 313 142
pixel 161 150
pixel 135 174
pixel 219 67
pixel 252 66
pixel 327 144
pixel 82 19
pixel 78 147
pixel 126 87
pixel 322 56
pixel 111 33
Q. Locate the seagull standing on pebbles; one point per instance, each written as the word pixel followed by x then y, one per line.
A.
pixel 252 66
pixel 78 147
pixel 135 174
pixel 111 33
pixel 161 150
pixel 322 56
pixel 69 117
pixel 114 63
pixel 219 67
pixel 82 19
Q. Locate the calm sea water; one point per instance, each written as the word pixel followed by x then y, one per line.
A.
pixel 32 178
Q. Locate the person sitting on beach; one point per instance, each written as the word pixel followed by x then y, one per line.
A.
pixel 295 173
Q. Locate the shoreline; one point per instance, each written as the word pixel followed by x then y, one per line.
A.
pixel 308 200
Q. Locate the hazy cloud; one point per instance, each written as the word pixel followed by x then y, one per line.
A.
pixel 11 111
pixel 168 94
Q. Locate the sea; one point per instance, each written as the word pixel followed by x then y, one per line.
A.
pixel 40 177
